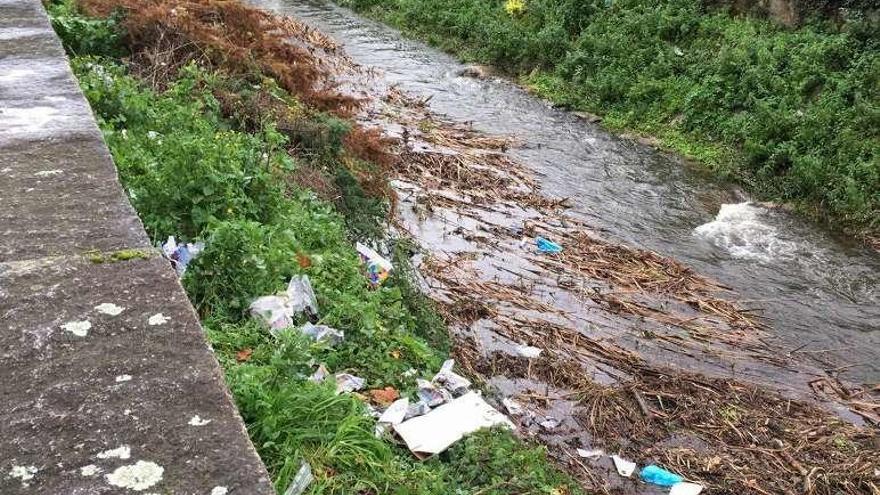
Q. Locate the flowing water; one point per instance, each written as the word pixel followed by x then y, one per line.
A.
pixel 821 291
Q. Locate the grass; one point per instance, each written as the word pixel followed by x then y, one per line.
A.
pixel 195 170
pixel 793 114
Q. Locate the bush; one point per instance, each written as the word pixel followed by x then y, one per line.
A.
pixel 82 35
pixel 183 173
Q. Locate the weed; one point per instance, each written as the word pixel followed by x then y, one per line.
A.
pixel 497 462
pixel 85 35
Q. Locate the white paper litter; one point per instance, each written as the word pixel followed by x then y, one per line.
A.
pixel 550 423
pixel 430 394
pixel 624 467
pixel 323 333
pixel 451 380
pixel 513 407
pixel 418 409
pixel 436 431
pixel 372 411
pixel 277 311
pixel 395 413
pixel 346 383
pixel 590 454
pixel 685 488
pixel 320 373
pixel 301 481
pixel 528 351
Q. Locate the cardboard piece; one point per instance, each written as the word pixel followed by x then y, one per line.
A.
pixel 436 431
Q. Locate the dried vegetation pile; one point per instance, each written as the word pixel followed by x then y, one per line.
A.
pixel 250 43
pixel 166 34
pixel 734 437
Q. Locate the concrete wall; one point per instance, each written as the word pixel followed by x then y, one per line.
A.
pixel 107 384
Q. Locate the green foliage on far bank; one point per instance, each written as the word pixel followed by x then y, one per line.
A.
pixel 193 171
pixel 792 113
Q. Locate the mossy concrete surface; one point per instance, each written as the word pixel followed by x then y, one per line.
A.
pixel 106 380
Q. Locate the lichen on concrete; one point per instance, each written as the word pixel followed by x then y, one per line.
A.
pixel 138 476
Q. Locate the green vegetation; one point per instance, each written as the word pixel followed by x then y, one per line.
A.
pixel 98 257
pixel 197 171
pixel 792 113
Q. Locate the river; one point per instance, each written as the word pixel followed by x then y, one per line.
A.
pixel 820 290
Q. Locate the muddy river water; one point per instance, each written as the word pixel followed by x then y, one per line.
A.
pixel 821 291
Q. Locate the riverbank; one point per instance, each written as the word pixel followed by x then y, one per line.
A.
pixel 636 354
pixel 264 170
pixel 785 112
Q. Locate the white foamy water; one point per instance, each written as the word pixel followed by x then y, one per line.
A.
pixel 743 230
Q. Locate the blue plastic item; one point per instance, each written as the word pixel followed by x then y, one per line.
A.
pixel 546 246
pixel 659 476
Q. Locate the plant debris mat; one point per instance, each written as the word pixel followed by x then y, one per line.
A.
pixel 644 357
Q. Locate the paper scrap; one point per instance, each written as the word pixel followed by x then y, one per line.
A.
pixel 624 467
pixel 436 431
pixel 685 488
pixel 590 454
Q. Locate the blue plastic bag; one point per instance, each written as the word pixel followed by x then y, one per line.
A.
pixel 659 476
pixel 546 246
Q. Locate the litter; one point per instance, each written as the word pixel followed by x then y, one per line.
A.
pixel 418 409
pixel 528 351
pixel 513 407
pixel 659 476
pixel 434 432
pixel 546 246
pixel 301 296
pixel 301 481
pixel 430 394
pixel 346 383
pixel 372 412
pixel 181 255
pixel 323 333
pixel 590 454
pixel 244 355
pixel 624 467
pixel 395 413
pixel 273 311
pixel 378 268
pixel 320 374
pixel 550 423
pixel 685 488
pixel 384 396
pixel 380 430
pixel 451 381
pixel 277 311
